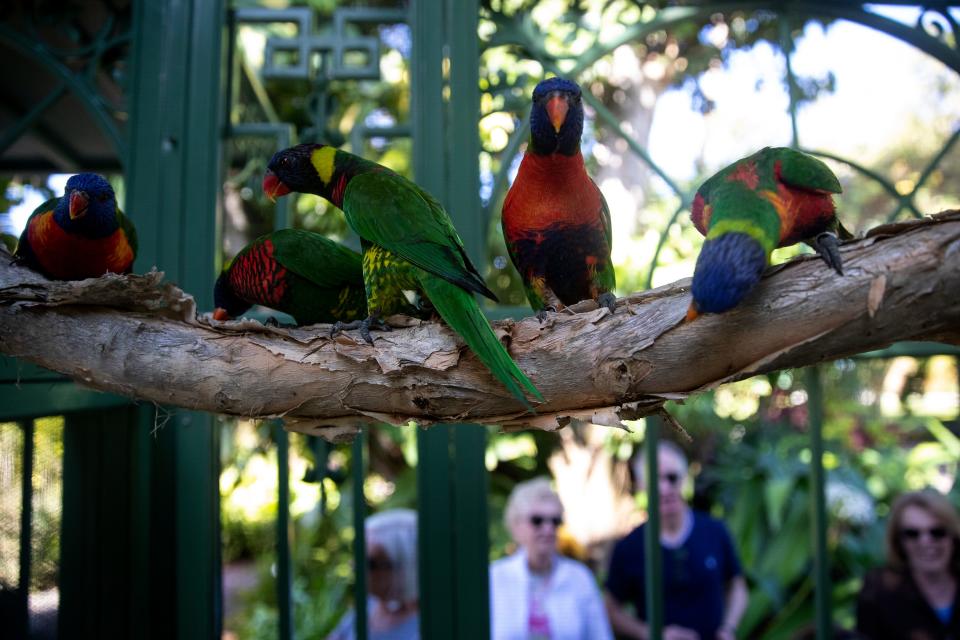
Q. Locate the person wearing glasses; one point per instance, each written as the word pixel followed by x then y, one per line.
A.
pixel 916 594
pixel 704 591
pixel 393 606
pixel 537 594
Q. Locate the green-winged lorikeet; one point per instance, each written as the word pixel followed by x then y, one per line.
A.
pixel 556 223
pixel 773 198
pixel 298 272
pixel 409 245
pixel 82 234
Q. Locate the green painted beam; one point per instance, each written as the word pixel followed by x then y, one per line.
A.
pixel 359 470
pixel 284 566
pixel 435 532
pixel 96 539
pixel 471 533
pixel 26 529
pixel 818 508
pixel 653 578
pixel 173 172
pixel 35 399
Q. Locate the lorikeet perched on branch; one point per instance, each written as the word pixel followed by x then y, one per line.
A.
pixel 297 272
pixel 409 247
pixel 556 223
pixel 80 235
pixel 774 198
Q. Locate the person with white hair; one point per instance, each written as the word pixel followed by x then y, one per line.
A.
pixel 537 594
pixel 704 591
pixel 393 608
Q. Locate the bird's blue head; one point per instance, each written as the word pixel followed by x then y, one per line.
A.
pixel 728 267
pixel 88 206
pixel 228 304
pixel 556 119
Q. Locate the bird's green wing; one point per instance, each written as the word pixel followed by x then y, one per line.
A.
pixel 129 230
pixel 605 217
pixel 324 262
pixel 390 211
pixel 806 172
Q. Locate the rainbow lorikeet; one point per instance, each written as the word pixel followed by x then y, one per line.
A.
pixel 297 272
pixel 409 245
pixel 82 234
pixel 773 198
pixel 556 223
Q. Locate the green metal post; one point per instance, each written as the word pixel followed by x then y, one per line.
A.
pixel 653 580
pixel 435 534
pixel 98 585
pixel 174 182
pixel 26 529
pixel 359 536
pixel 451 477
pixel 284 583
pixel 822 595
pixel 472 541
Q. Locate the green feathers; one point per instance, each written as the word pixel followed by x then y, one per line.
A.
pixel 410 246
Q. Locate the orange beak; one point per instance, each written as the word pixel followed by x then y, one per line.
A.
pixel 78 204
pixel 692 313
pixel 273 187
pixel 557 108
pixel 220 314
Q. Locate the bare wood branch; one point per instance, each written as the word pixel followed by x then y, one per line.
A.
pixel 139 337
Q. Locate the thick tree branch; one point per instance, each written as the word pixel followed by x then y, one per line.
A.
pixel 138 337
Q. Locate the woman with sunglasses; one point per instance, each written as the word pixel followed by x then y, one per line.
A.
pixel 537 594
pixel 916 595
pixel 393 608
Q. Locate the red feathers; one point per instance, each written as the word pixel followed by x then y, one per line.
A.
pixel 68 256
pixel 550 190
pixel 257 275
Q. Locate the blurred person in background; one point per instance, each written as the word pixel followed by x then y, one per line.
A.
pixel 393 607
pixel 915 595
pixel 537 594
pixel 704 591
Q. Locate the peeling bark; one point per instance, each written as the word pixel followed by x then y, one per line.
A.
pixel 140 337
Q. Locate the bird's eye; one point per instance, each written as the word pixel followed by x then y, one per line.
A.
pixel 284 162
pixel 103 197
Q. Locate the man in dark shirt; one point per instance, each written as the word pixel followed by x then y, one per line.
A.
pixel 704 592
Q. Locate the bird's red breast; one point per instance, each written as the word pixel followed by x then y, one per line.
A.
pixel 550 190
pixel 69 256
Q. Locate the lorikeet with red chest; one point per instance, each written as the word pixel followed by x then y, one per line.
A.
pixel 556 223
pixel 81 235
pixel 409 247
pixel 298 272
pixel 774 198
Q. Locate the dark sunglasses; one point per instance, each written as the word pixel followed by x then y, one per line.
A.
pixel 379 564
pixel 670 477
pixel 936 533
pixel 536 521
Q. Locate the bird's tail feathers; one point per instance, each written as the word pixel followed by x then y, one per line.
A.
pixel 460 310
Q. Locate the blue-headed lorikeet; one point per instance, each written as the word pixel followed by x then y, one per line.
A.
pixel 409 245
pixel 82 234
pixel 556 223
pixel 297 272
pixel 773 198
